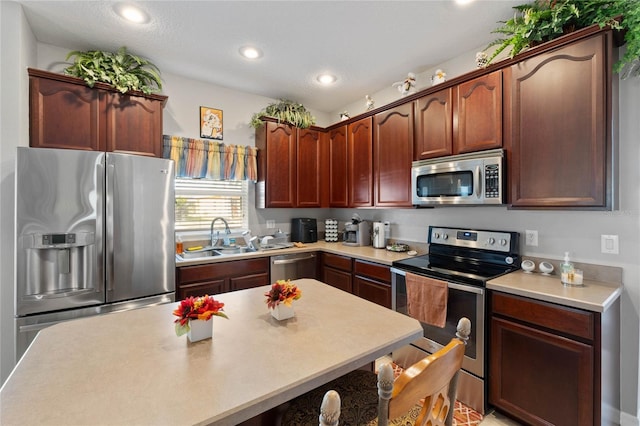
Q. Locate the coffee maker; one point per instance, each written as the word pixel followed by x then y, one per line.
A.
pixel 357 233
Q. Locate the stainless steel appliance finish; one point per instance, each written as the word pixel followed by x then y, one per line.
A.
pixel 466 259
pixel 92 229
pixel 474 178
pixel 357 234
pixel 293 266
pixel 378 235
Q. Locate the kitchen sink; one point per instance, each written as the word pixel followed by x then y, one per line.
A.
pixel 210 251
pixel 197 254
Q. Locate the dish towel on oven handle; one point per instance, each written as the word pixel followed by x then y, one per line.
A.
pixel 427 299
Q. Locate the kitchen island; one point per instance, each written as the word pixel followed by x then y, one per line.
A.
pixel 130 367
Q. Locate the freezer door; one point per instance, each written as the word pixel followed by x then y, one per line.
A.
pixel 58 225
pixel 140 253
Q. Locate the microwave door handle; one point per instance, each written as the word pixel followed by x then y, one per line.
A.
pixel 479 182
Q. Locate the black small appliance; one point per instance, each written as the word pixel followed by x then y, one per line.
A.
pixel 304 230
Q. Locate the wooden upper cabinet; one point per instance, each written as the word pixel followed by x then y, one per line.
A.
pixel 338 167
pixel 459 119
pixel 434 125
pixel 392 156
pixel 291 166
pixel 308 168
pixel 478 114
pixel 65 113
pixel 276 143
pixel 360 155
pixel 134 124
pixel 559 146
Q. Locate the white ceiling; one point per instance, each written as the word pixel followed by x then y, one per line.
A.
pixel 368 45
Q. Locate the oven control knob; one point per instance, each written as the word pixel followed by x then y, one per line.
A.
pixel 436 235
pixel 492 241
pixel 445 236
pixel 503 242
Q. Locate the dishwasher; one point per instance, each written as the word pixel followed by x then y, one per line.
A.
pixel 293 266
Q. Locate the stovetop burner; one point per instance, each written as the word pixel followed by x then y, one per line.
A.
pixel 467 256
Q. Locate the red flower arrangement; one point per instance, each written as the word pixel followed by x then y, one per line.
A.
pixel 192 308
pixel 282 291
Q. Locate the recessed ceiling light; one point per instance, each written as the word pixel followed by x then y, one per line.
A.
pixel 463 2
pixel 132 13
pixel 250 52
pixel 326 79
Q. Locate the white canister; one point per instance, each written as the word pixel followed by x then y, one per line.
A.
pixel 378 236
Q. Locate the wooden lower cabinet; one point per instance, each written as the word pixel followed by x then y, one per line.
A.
pixel 200 289
pixel 544 361
pixel 373 291
pixel 372 281
pixel 336 271
pixel 221 277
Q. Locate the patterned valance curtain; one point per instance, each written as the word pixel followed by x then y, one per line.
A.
pixel 199 158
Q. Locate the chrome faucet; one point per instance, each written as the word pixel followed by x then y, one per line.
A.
pixel 215 240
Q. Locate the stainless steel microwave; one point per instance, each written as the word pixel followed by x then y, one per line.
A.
pixel 474 178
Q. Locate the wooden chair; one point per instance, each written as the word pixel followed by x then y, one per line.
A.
pixel 370 400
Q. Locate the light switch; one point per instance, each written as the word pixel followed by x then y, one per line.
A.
pixel 609 244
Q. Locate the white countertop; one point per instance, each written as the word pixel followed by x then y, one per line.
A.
pixel 593 296
pixel 377 255
pixel 130 368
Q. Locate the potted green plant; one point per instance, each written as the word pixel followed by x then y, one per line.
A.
pixel 287 111
pixel 543 20
pixel 122 70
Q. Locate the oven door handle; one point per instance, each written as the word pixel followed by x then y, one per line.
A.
pixel 468 289
pixel 455 286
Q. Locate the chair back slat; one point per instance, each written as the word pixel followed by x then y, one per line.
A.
pixel 426 377
pixel 433 379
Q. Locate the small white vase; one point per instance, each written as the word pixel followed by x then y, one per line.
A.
pixel 282 312
pixel 200 330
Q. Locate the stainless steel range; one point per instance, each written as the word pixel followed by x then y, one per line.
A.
pixel 465 259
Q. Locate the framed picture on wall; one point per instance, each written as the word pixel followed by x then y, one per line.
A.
pixel 210 123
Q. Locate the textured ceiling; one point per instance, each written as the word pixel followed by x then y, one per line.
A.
pixel 367 44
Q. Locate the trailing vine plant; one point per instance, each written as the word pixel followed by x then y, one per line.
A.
pixel 121 70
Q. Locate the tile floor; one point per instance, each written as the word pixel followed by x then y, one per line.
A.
pixel 497 419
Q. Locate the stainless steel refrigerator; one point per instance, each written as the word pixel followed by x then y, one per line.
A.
pixel 94 234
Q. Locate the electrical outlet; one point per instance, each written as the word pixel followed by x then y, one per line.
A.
pixel 609 244
pixel 531 238
pixel 271 224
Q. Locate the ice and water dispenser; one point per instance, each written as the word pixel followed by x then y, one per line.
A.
pixel 55 265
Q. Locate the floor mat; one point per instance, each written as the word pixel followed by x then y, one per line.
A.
pixel 462 414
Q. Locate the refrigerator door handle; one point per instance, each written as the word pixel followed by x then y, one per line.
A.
pixel 110 184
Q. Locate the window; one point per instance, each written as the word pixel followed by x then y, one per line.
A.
pixel 198 201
